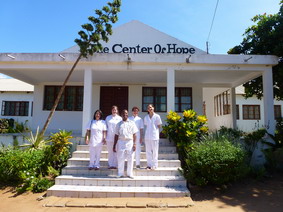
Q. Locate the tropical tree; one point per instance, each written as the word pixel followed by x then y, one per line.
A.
pixel 92 33
pixel 264 37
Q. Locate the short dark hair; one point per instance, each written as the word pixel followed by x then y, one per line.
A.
pixel 98 111
pixel 135 108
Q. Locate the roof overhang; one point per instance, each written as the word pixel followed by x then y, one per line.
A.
pixel 206 69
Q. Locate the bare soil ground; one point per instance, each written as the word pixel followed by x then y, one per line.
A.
pixel 265 195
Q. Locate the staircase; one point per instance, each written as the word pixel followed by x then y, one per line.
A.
pixel 79 182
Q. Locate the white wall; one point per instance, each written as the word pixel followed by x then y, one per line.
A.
pixel 215 122
pixel 251 125
pixel 18 96
pixel 67 120
pixel 72 120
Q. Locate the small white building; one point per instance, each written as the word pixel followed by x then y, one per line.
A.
pixel 250 111
pixel 139 65
pixel 16 99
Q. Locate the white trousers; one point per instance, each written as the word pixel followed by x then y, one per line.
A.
pixel 112 156
pixel 151 148
pixel 94 156
pixel 125 151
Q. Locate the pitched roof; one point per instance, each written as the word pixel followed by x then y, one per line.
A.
pixel 15 85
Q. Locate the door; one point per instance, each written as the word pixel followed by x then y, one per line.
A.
pixel 113 95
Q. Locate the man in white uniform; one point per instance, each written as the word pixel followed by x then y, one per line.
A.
pixel 139 123
pixel 125 139
pixel 153 123
pixel 111 122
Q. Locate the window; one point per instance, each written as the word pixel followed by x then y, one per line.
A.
pixel 277 112
pixel 251 112
pixel 183 99
pixel 14 108
pixel 237 112
pixel 156 96
pixel 71 99
pixel 222 104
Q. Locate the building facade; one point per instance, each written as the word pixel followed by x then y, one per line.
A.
pixel 138 66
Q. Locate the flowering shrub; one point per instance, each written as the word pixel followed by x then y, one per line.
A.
pixel 188 128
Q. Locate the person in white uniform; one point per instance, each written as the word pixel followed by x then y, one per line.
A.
pixel 111 122
pixel 153 123
pixel 139 135
pixel 125 139
pixel 97 130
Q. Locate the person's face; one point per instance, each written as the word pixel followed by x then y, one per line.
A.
pixel 150 109
pixel 97 116
pixel 114 111
pixel 125 115
pixel 135 112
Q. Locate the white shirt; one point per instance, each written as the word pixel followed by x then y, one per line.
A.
pixel 96 128
pixel 152 130
pixel 139 123
pixel 125 130
pixel 111 122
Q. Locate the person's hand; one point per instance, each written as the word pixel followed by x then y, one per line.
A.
pixel 114 148
pixel 141 140
pixel 87 141
pixel 104 141
pixel 134 147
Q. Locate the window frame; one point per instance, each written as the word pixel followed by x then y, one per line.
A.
pixel 17 104
pixel 180 97
pixel 77 104
pixel 277 112
pixel 154 99
pixel 248 114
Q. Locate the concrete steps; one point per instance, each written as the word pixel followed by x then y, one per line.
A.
pixel 79 182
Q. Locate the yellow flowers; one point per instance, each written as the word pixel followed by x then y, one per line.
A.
pixel 173 116
pixel 202 119
pixel 189 113
pixel 186 128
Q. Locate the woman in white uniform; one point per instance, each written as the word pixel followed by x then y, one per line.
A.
pixel 97 130
pixel 153 123
pixel 111 122
pixel 139 123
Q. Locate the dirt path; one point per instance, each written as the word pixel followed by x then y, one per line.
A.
pixel 259 196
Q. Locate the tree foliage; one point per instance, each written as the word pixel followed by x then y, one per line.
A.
pixel 264 37
pixel 98 29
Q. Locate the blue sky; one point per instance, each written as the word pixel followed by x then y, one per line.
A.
pixel 52 25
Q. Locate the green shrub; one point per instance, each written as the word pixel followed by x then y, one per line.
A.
pixel 215 161
pixel 59 151
pixel 14 162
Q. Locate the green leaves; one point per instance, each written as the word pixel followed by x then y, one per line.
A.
pixel 98 29
pixel 264 37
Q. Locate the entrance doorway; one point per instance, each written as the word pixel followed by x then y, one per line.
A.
pixel 113 95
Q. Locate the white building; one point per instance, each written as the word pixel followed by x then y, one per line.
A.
pixel 139 65
pixel 16 99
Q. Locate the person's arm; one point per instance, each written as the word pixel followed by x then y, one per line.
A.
pixel 134 139
pixel 87 136
pixel 115 142
pixel 141 135
pixel 104 136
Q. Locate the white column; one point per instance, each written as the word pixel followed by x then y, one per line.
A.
pixel 170 90
pixel 87 108
pixel 233 108
pixel 268 100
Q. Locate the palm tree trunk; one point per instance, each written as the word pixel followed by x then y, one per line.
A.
pixel 48 120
